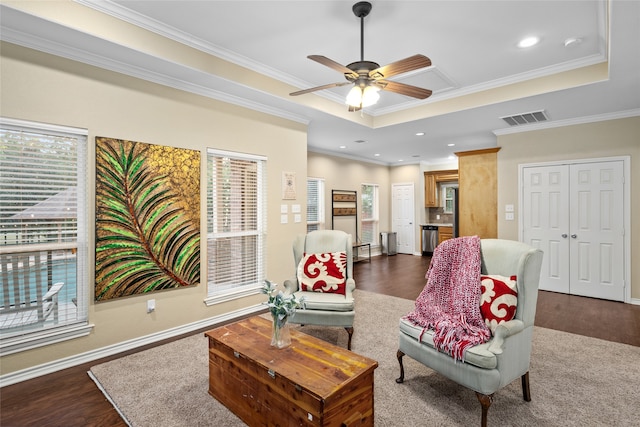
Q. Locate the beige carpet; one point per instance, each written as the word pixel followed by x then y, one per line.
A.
pixel 575 381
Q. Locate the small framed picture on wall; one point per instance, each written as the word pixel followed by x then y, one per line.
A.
pixel 288 185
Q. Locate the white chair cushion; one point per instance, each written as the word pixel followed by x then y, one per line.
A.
pixel 478 355
pixel 326 301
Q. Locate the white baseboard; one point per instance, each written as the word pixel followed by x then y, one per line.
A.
pixel 78 359
pixel 634 301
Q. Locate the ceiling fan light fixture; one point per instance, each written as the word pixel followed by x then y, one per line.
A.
pixel 354 97
pixel 370 96
pixel 361 98
pixel 368 77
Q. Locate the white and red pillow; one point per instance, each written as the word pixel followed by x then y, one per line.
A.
pixel 499 299
pixel 325 272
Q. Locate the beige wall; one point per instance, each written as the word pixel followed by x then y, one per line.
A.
pixel 593 140
pixel 42 88
pixel 345 174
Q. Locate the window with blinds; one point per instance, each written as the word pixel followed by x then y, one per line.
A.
pixel 315 204
pixel 369 215
pixel 236 223
pixel 43 230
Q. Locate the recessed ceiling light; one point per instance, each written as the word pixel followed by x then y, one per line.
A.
pixel 415 155
pixel 572 41
pixel 420 134
pixel 400 160
pixel 528 42
pixel 450 145
pixel 359 141
pixel 377 155
pixel 343 146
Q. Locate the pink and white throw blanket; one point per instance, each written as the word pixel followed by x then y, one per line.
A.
pixel 450 301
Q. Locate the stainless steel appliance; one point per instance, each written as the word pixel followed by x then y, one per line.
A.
pixel 429 239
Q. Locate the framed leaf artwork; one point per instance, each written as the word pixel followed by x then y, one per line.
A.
pixel 147 218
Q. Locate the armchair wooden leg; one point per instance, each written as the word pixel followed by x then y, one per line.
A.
pixel 399 355
pixel 485 401
pixel 526 393
pixel 350 332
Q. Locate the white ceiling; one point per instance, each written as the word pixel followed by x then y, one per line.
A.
pixel 472 45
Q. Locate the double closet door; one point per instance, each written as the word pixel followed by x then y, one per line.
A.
pixel 575 214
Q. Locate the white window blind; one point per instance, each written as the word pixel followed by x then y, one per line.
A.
pixel 42 233
pixel 315 204
pixel 236 222
pixel 369 215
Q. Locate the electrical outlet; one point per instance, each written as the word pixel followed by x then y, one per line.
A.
pixel 508 216
pixel 508 208
pixel 151 305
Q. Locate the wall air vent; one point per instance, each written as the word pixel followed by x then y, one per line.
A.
pixel 526 118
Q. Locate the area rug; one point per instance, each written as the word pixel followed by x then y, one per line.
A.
pixel 575 380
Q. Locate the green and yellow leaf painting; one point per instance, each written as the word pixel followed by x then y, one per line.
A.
pixel 147 218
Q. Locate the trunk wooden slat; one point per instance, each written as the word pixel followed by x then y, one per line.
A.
pixel 309 383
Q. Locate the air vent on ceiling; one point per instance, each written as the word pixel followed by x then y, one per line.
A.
pixel 526 118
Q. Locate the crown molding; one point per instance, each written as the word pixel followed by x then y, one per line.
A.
pixel 134 18
pixel 125 14
pixel 54 48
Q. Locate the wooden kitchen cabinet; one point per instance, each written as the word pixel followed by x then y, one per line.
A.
pixel 431 180
pixel 430 191
pixel 444 233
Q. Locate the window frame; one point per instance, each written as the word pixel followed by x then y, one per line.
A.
pixel 375 214
pixel 224 293
pixel 27 339
pixel 443 191
pixel 319 204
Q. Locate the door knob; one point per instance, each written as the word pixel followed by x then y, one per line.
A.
pixel 573 236
pixel 564 235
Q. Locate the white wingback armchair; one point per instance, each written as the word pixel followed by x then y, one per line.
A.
pixel 490 366
pixel 324 309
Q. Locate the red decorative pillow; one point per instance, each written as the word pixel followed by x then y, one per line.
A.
pixel 323 272
pixel 499 299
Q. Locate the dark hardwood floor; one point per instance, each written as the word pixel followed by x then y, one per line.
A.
pixel 70 398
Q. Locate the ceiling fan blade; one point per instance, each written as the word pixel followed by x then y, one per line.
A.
pixel 313 89
pixel 411 63
pixel 333 64
pixel 404 89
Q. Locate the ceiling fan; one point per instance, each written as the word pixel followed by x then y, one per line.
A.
pixel 369 77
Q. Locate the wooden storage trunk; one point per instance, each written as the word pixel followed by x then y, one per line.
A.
pixel 310 383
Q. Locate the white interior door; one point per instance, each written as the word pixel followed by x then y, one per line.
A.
pixel 546 222
pixel 403 217
pixel 575 214
pixel 597 230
